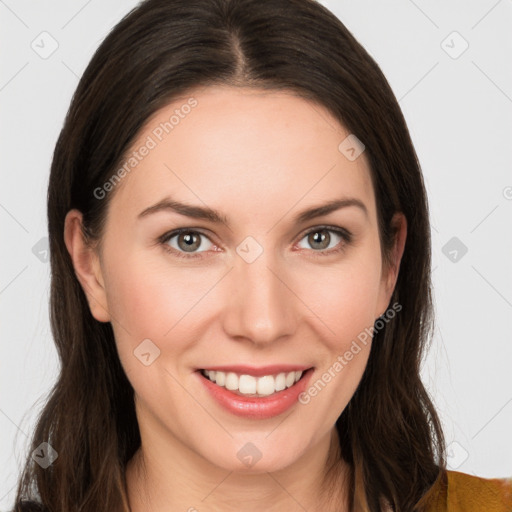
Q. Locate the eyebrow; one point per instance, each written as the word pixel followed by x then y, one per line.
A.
pixel 212 215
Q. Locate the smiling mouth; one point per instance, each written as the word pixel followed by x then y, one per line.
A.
pixel 251 386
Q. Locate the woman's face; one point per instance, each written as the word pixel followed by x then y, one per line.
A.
pixel 260 293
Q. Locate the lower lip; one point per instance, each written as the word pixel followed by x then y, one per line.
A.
pixel 253 407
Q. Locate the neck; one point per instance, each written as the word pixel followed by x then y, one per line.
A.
pixel 157 482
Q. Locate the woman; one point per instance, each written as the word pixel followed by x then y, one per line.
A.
pixel 240 298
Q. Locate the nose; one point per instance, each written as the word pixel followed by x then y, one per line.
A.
pixel 261 306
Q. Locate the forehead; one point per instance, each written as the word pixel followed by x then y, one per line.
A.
pixel 241 149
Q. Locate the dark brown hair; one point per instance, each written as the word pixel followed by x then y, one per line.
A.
pixel 389 433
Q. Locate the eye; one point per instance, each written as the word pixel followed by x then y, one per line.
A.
pixel 319 238
pixel 186 242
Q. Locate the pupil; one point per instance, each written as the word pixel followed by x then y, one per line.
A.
pixel 318 237
pixel 189 240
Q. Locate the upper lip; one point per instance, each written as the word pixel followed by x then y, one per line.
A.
pixel 258 371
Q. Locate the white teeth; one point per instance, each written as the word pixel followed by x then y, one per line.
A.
pixel 220 378
pixel 250 385
pixel 290 379
pixel 280 381
pixel 266 385
pixel 247 384
pixel 231 381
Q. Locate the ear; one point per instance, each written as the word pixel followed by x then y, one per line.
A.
pixel 390 271
pixel 87 267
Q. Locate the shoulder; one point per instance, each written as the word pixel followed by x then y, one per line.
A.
pixel 461 492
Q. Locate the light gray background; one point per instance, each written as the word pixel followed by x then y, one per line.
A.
pixel 459 112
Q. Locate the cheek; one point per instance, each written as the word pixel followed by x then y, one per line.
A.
pixel 344 297
pixel 141 298
pixel 345 306
pixel 150 298
pixel 151 301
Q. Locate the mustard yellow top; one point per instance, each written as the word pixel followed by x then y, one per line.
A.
pixel 468 493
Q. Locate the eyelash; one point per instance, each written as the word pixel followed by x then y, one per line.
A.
pixel 343 233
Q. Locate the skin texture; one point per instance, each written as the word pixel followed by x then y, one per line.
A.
pixel 259 157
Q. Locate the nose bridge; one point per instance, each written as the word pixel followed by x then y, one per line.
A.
pixel 260 307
